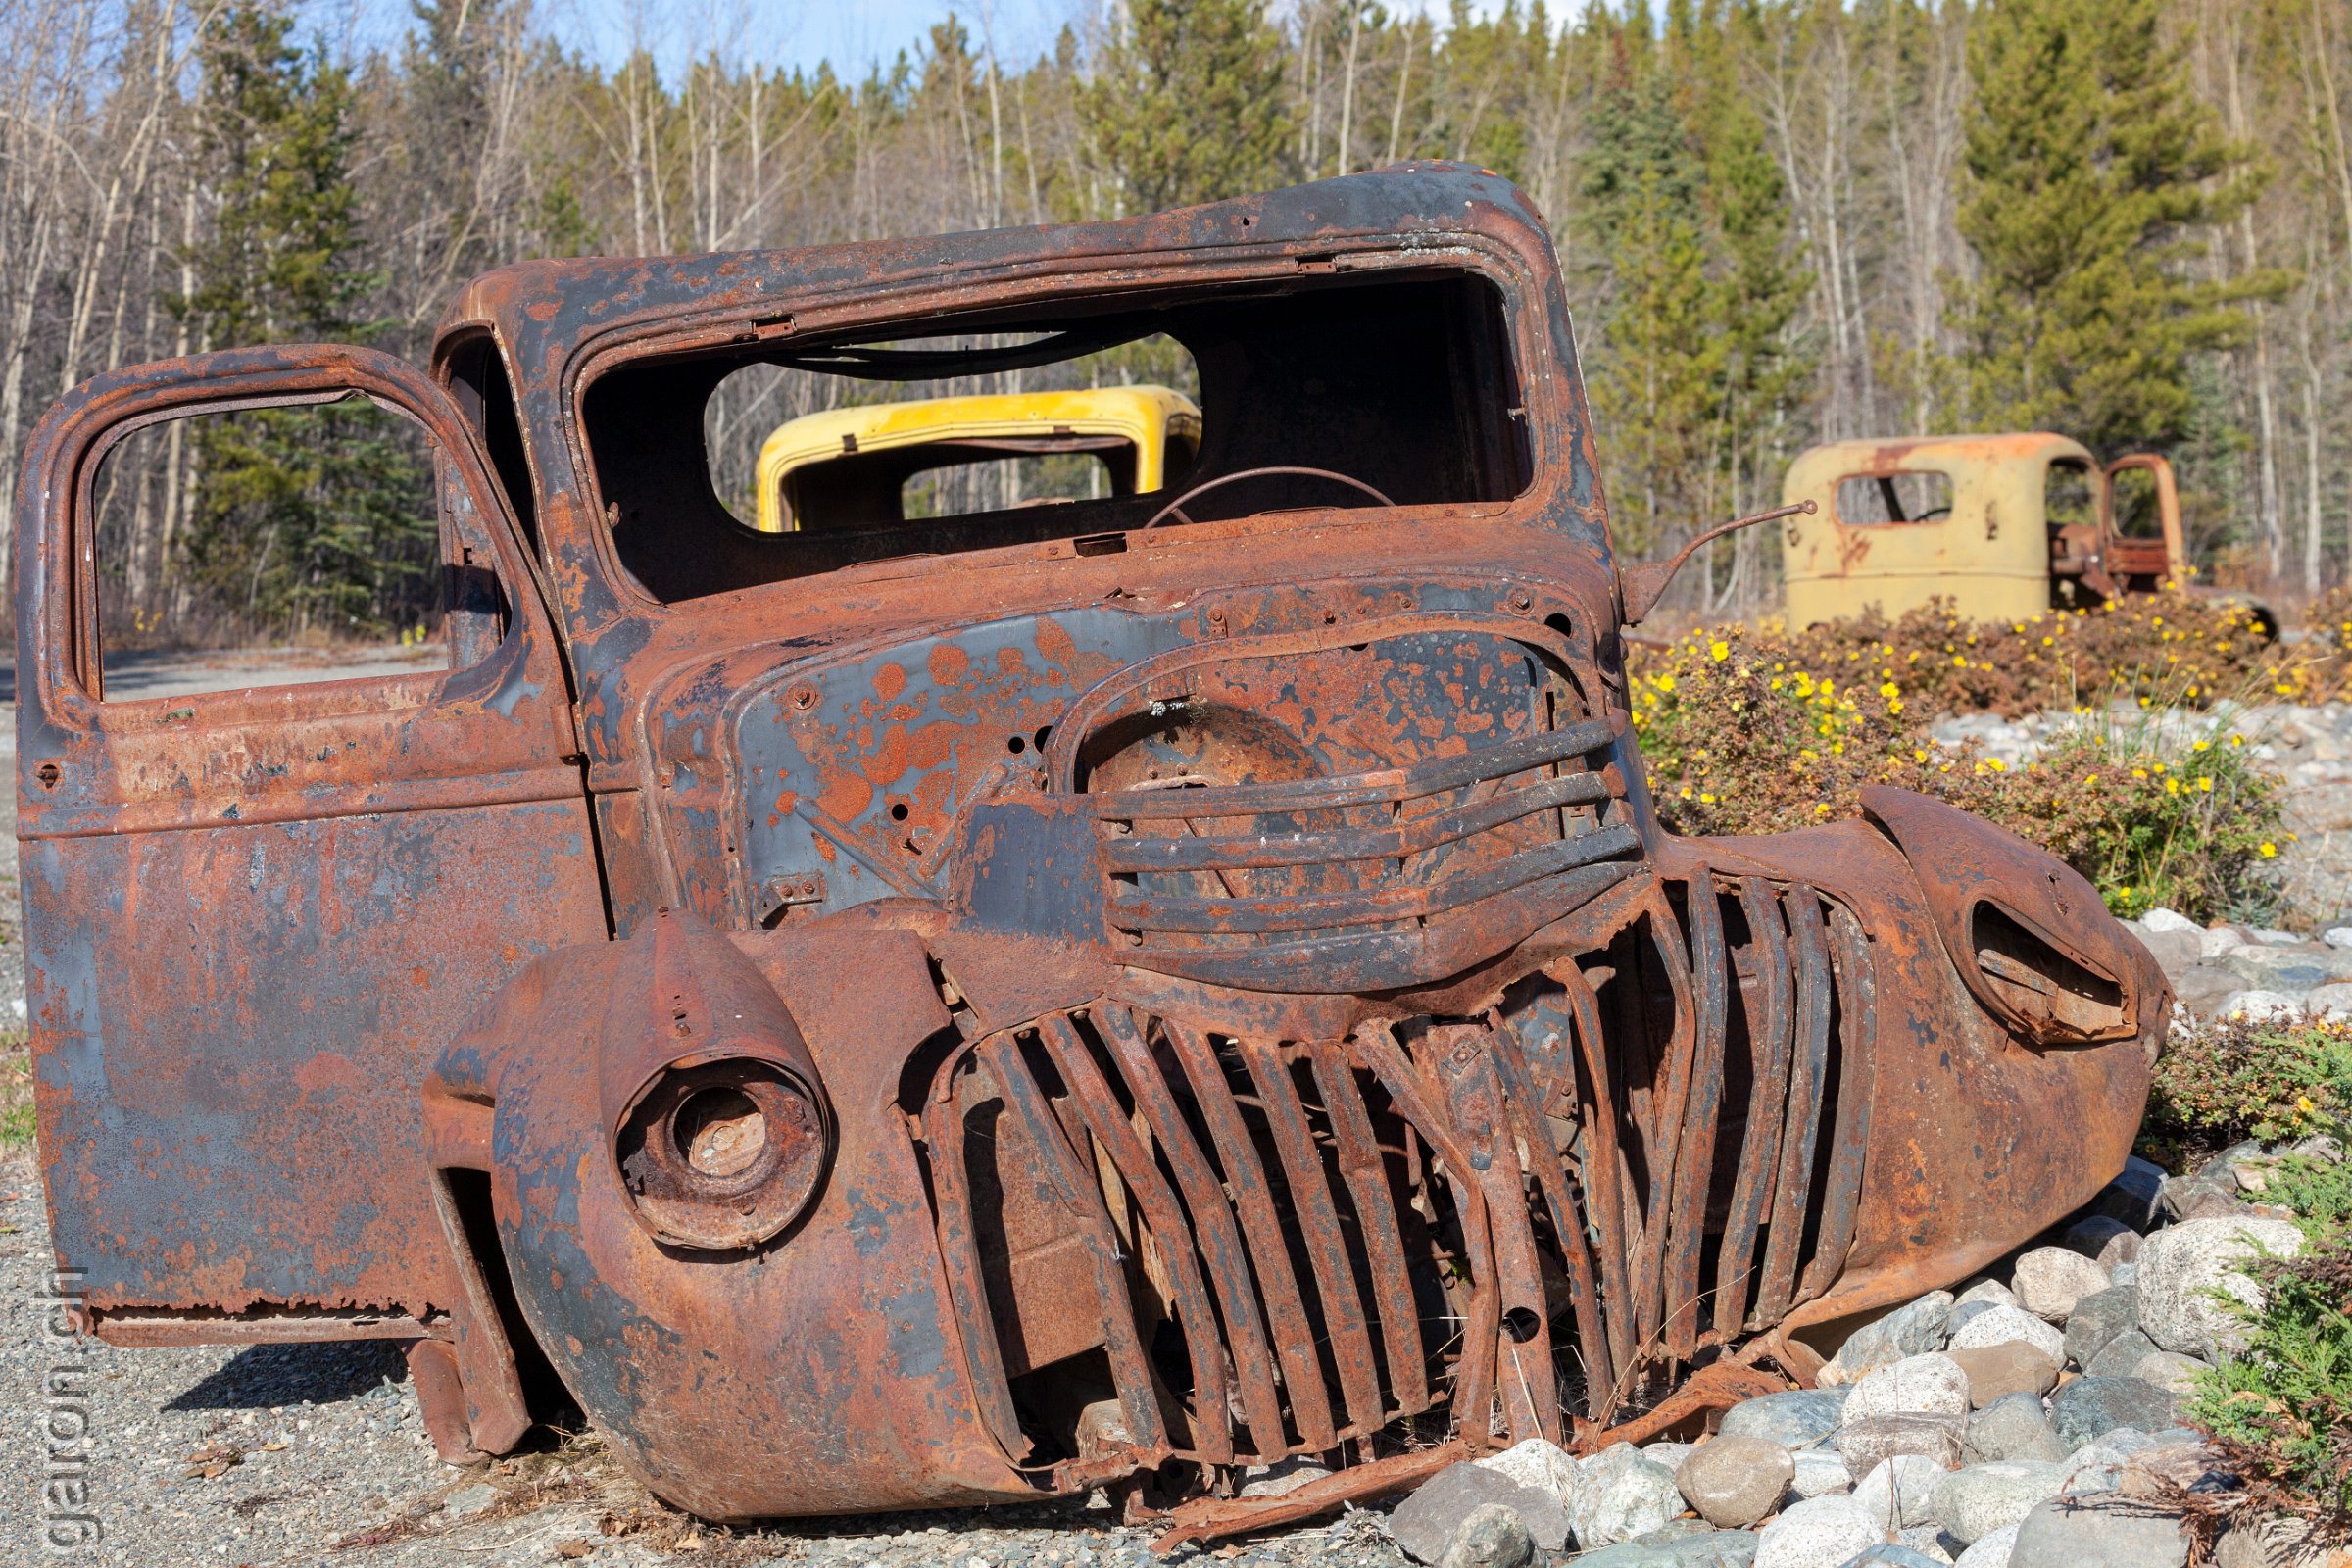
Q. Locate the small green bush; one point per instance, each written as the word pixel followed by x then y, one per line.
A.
pixel 2281 1413
pixel 2225 1080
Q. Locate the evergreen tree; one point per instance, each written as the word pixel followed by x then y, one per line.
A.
pixel 1653 382
pixel 2089 159
pixel 309 516
pixel 1187 104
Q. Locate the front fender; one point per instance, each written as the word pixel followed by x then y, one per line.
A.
pixel 819 1371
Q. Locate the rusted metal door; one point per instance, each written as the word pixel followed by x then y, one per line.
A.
pixel 2139 507
pixel 254 918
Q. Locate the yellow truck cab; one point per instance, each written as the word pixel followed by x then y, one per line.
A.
pixel 2003 525
pixel 855 465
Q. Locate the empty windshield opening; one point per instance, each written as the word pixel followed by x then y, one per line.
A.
pixel 779 459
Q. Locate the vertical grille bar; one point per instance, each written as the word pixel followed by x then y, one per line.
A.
pixel 1857 1055
pixel 1367 1178
pixel 1808 1066
pixel 1474 1373
pixel 1213 1229
pixel 1567 1221
pixel 1319 1222
pixel 1605 1208
pixel 1529 1394
pixel 1694 1171
pixel 1669 1136
pixel 960 1252
pixel 1286 1308
pixel 1212 1434
pixel 1130 1371
pixel 1768 1030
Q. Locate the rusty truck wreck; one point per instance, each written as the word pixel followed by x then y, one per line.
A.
pixel 970 1009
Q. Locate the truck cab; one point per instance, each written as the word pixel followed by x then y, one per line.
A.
pixel 956 1008
pixel 2003 526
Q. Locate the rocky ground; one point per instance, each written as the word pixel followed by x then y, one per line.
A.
pixel 2031 1421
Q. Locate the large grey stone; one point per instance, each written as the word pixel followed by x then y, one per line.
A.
pixel 1492 1535
pixel 2090 1235
pixel 1864 1444
pixel 1536 1462
pixel 2180 1267
pixel 1894 1554
pixel 2050 1280
pixel 2011 1427
pixel 1791 1420
pixel 1973 1502
pixel 1818 1533
pixel 2060 1533
pixel 1701 1547
pixel 1619 1495
pixel 1984 1289
pixel 1735 1481
pixel 2099 1317
pixel 1931 1385
pixel 2132 1195
pixel 2176 1374
pixel 1818 1472
pixel 1912 1329
pixel 1899 1491
pixel 1999 1324
pixel 2121 1356
pixel 1991 1550
pixel 1922 1541
pixel 1424 1524
pixel 2087 1407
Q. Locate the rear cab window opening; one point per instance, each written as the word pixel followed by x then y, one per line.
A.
pixel 1395 386
pixel 1875 499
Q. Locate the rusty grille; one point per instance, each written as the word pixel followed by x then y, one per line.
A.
pixel 1276 1245
pixel 1364 879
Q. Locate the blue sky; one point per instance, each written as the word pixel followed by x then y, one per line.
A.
pixel 850 33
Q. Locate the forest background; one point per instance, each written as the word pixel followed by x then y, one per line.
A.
pixel 1782 221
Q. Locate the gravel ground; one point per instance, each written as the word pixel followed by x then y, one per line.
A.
pixel 314 1453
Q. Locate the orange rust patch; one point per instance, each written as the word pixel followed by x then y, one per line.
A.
pixel 889 681
pixel 949 662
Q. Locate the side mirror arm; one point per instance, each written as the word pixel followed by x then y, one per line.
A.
pixel 1640 586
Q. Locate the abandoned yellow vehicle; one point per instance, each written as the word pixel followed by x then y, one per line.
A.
pixel 869 464
pixel 2000 525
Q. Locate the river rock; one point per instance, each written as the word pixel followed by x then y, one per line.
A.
pixel 2182 1265
pixel 1491 1536
pixel 1619 1495
pixel 2050 1280
pixel 1991 1549
pixel 1933 1384
pixel 1866 1443
pixel 1819 1473
pixel 2121 1355
pixel 1536 1462
pixel 1899 1491
pixel 1973 1502
pixel 1735 1481
pixel 2086 1407
pixel 1425 1523
pixel 2171 1371
pixel 1996 1325
pixel 1996 1371
pixel 2011 1427
pixel 1818 1533
pixel 1791 1420
pixel 2062 1535
pixel 2099 1317
pixel 1912 1329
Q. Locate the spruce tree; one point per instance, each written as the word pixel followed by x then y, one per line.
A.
pixel 1186 103
pixel 1653 382
pixel 2090 158
pixel 306 518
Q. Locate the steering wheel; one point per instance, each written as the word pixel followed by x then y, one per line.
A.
pixel 1175 508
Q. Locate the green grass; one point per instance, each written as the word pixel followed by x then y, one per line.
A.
pixel 16 1093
